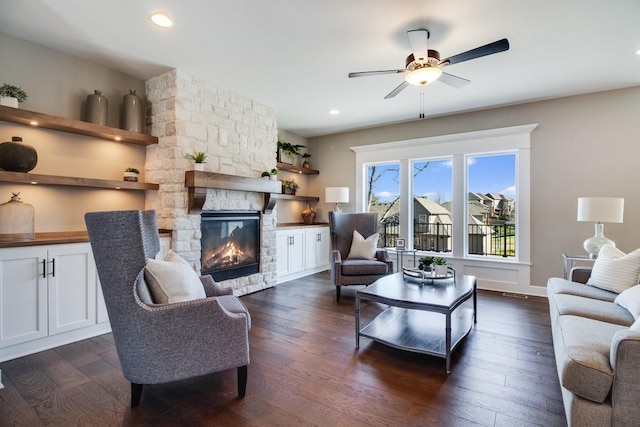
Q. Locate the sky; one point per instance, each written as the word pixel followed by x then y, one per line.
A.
pixel 487 174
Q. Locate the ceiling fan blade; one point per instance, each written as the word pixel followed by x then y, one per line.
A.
pixel 375 73
pixel 419 40
pixel 455 81
pixel 397 90
pixel 488 49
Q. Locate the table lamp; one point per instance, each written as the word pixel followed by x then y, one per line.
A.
pixel 336 195
pixel 599 210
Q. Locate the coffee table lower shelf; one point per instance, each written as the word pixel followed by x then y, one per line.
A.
pixel 419 331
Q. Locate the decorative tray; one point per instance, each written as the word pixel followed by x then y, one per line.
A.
pixel 421 276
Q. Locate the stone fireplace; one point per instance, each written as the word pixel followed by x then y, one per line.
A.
pixel 239 136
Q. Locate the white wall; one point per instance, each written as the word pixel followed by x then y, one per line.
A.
pixel 584 146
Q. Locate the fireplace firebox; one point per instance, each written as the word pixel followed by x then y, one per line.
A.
pixel 230 244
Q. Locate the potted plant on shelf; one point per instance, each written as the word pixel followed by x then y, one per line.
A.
pixel 289 187
pixel 274 174
pixel 440 266
pixel 11 96
pixel 199 158
pixel 306 163
pixel 287 152
pixel 266 175
pixel 131 174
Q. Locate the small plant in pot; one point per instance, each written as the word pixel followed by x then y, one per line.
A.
pixel 266 175
pixel 306 163
pixel 131 174
pixel 198 158
pixel 11 96
pixel 440 266
pixel 425 263
pixel 287 152
pixel 289 187
pixel 274 174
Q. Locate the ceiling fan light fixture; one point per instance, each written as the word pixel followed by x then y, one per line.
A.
pixel 423 75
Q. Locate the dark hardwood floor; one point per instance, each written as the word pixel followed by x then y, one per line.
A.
pixel 305 371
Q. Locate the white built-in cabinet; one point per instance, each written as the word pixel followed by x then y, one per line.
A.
pixel 301 251
pixel 50 296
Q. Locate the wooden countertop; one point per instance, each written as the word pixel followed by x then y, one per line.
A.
pixel 301 224
pixel 58 238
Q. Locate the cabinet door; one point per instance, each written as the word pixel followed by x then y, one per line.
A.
pixel 296 251
pixel 317 247
pixel 282 253
pixel 323 247
pixel 23 295
pixel 72 287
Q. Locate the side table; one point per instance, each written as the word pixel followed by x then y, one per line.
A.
pixel 400 253
pixel 569 261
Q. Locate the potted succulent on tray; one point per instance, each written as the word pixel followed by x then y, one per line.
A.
pixel 199 159
pixel 11 96
pixel 440 266
pixel 289 187
pixel 425 263
pixel 131 174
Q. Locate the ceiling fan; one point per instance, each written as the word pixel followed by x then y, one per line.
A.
pixel 425 66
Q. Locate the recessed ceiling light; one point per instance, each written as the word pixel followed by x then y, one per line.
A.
pixel 334 112
pixel 161 19
pixel 638 52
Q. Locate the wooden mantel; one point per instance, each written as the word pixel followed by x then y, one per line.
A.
pixel 198 182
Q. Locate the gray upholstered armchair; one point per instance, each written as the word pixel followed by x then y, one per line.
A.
pixel 160 343
pixel 346 271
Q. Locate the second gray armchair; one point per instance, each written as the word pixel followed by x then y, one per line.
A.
pixel 345 271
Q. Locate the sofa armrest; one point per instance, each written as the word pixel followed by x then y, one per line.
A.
pixel 580 274
pixel 625 362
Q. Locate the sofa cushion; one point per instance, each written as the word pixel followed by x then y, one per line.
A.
pixel 594 309
pixel 614 270
pixel 561 286
pixel 630 299
pixel 363 266
pixel 582 347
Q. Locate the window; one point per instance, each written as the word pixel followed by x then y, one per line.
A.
pixel 465 195
pixel 431 205
pixel 382 195
pixel 491 205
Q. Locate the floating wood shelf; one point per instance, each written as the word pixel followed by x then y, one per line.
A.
pixel 31 118
pixel 69 181
pixel 296 198
pixel 297 169
pixel 198 182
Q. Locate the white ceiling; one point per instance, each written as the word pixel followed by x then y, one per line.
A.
pixel 294 55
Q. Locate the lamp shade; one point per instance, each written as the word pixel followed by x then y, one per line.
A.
pixel 336 194
pixel 600 209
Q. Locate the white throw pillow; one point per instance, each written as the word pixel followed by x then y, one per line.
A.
pixel 630 299
pixel 635 326
pixel 362 248
pixel 172 280
pixel 614 270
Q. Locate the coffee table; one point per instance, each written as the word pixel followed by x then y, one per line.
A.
pixel 425 317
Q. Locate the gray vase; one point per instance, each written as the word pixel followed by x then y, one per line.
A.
pixel 132 112
pixel 96 108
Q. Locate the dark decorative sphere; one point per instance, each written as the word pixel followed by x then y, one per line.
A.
pixel 16 156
